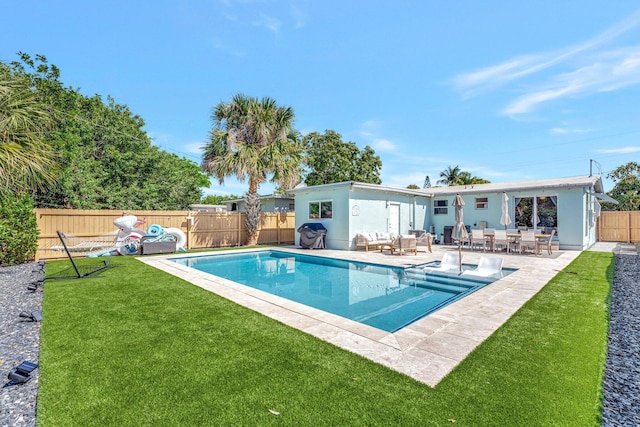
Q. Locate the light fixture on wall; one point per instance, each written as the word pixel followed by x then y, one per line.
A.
pixel 387 203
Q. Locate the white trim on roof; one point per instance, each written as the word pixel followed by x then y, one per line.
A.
pixel 540 184
pixel 606 198
pixel 358 185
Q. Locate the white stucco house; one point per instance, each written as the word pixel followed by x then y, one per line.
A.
pixel 268 203
pixel 208 208
pixel 568 205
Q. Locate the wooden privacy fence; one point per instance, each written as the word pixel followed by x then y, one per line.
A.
pixel 203 230
pixel 619 226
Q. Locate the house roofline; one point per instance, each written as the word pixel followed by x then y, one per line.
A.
pixel 359 185
pixel 541 184
pixel 268 196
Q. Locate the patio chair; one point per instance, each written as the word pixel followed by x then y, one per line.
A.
pixel 545 243
pixel 500 240
pixel 488 237
pixel 450 262
pixel 487 267
pixel 405 243
pixel 424 241
pixel 528 241
pixel 477 239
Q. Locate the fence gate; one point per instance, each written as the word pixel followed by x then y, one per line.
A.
pixel 619 226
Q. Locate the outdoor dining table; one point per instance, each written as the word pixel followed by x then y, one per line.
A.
pixel 514 237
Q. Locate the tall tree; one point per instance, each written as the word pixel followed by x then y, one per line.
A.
pixel 450 175
pixel 456 176
pixel 252 139
pixel 330 160
pixel 465 178
pixel 27 161
pixel 106 159
pixel 626 188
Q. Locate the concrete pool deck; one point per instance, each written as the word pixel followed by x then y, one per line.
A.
pixel 426 350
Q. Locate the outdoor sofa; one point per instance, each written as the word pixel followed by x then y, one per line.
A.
pixel 375 240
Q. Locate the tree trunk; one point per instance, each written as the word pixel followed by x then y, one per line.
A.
pixel 252 208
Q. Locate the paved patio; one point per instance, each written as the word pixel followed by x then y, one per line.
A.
pixel 426 350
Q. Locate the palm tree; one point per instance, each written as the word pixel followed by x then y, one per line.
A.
pixel 465 178
pixel 450 176
pixel 26 160
pixel 253 139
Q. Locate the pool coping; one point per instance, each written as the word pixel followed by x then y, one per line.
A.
pixel 428 349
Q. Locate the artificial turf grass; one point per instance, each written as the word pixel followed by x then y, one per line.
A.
pixel 136 346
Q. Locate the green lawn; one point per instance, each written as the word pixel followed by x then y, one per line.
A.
pixel 137 347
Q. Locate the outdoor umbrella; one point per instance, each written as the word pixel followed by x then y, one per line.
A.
pixel 505 219
pixel 459 230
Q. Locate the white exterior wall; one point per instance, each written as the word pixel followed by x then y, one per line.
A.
pixel 369 212
pixel 472 216
pixel 358 210
pixel 576 231
pixel 338 226
pixel 269 204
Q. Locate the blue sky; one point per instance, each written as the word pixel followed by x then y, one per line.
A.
pixel 505 90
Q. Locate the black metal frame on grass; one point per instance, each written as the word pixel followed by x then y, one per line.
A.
pixel 81 271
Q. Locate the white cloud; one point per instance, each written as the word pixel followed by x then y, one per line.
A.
pixel 609 71
pixel 598 71
pixel 563 131
pixel 222 46
pixel 622 150
pixel 403 179
pixel 370 128
pixel 193 147
pixel 298 13
pixel 268 22
pixel 383 145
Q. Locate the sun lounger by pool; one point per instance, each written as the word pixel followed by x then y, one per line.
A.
pixel 487 267
pixel 450 262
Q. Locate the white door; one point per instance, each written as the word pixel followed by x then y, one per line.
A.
pixel 394 219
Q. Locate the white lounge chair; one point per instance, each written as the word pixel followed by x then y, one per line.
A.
pixel 487 267
pixel 450 262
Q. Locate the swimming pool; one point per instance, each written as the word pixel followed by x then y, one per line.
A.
pixel 387 298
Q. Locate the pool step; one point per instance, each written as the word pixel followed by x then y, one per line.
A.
pixel 446 284
pixel 444 287
pixel 465 283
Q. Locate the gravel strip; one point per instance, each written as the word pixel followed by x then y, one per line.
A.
pixel 621 390
pixel 19 341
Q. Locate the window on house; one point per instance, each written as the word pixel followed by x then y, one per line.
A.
pixel 482 203
pixel 321 210
pixel 292 207
pixel 440 207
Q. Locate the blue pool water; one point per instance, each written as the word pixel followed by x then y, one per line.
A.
pixel 387 298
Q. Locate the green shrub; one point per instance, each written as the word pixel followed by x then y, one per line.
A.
pixel 18 229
